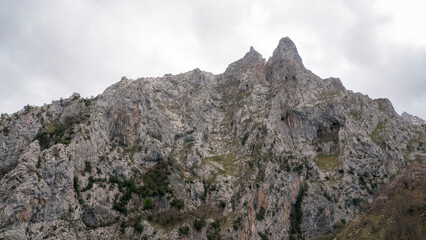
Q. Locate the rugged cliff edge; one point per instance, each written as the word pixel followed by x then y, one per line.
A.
pixel 266 150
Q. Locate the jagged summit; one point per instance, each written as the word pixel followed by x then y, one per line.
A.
pixel 287 51
pixel 285 56
pixel 251 59
pixel 263 150
pixel 285 61
pixel 412 119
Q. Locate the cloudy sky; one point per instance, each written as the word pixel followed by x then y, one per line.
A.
pixel 50 49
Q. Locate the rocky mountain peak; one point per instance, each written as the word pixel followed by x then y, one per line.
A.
pixel 285 61
pixel 252 59
pixel 286 50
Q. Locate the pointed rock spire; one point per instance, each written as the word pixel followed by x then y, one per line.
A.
pixel 251 59
pixel 287 50
pixel 285 62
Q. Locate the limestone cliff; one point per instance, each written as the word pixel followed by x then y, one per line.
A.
pixel 265 150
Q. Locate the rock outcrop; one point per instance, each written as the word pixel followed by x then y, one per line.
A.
pixel 412 119
pixel 265 150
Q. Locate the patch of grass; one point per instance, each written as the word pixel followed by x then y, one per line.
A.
pixel 147 203
pixel 375 135
pixel 169 218
pixel 227 162
pixel 129 151
pixel 411 144
pixel 356 115
pixel 56 152
pixel 328 162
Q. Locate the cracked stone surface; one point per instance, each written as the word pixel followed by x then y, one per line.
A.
pixel 243 152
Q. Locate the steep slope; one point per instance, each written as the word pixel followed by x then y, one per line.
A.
pixel 266 150
pixel 399 212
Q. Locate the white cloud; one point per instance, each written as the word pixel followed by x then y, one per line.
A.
pixel 50 49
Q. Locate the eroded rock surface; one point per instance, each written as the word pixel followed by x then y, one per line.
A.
pixel 265 150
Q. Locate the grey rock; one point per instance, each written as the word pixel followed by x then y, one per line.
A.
pixel 412 119
pixel 238 146
pixel 98 217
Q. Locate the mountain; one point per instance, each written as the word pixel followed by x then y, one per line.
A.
pixel 265 150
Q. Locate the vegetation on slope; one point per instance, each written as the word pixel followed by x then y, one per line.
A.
pixel 399 212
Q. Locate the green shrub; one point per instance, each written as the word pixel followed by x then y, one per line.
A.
pixel 67 140
pixel 214 231
pixel 184 230
pixel 147 203
pixel 137 224
pixel 356 201
pixel 76 185
pixel 244 140
pixel 6 131
pixel 77 190
pixel 43 139
pixel 261 214
pixel 88 167
pixel 123 228
pixel 199 224
pixel 120 207
pixel 155 184
pixel 215 224
pixel 156 181
pixel 89 184
pixel 27 108
pixel 264 235
pixel 222 204
pixel 178 203
pixel 237 223
pixel 296 214
pixel 38 162
pixel 325 194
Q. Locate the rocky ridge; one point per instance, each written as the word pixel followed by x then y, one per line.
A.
pixel 265 150
pixel 412 119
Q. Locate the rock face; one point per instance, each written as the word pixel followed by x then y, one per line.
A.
pixel 398 212
pixel 266 150
pixel 412 119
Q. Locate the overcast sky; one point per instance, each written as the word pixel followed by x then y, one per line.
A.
pixel 50 49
